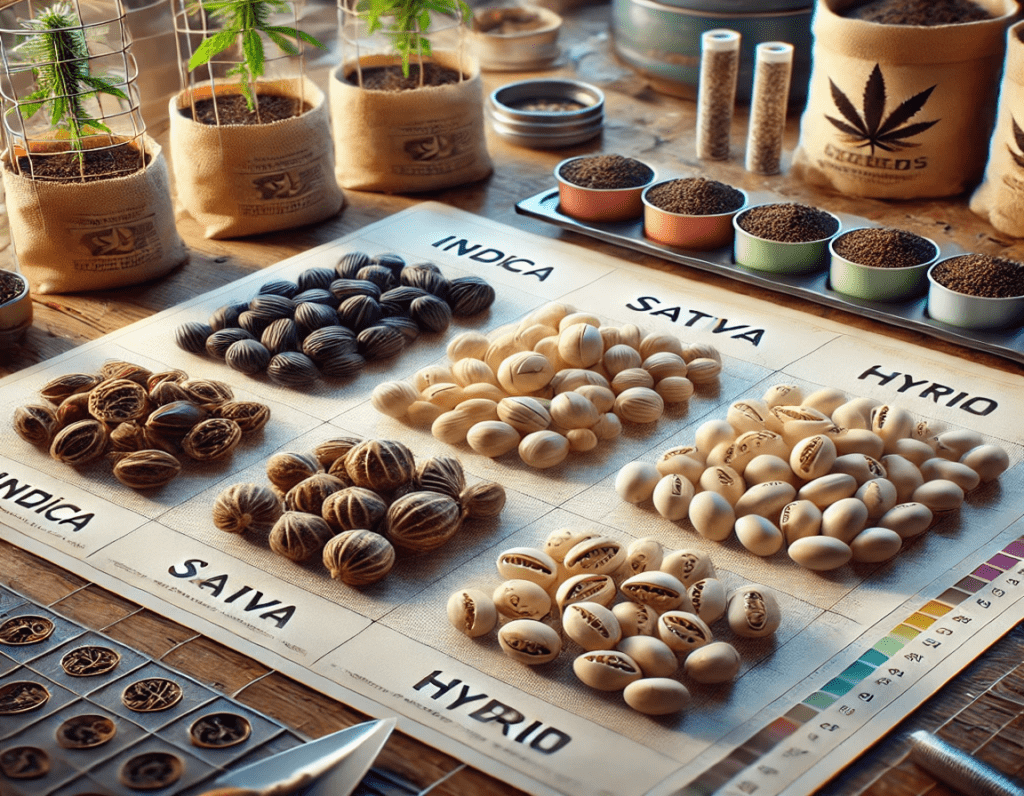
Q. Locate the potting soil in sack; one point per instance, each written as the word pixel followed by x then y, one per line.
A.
pixel 73 236
pixel 239 179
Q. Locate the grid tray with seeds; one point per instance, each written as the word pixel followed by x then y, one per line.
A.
pixel 812 285
pixel 83 714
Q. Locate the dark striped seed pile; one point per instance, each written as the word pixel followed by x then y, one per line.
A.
pixel 919 12
pixel 695 196
pixel 606 171
pixel 884 248
pixel 981 275
pixel 788 223
pixel 331 320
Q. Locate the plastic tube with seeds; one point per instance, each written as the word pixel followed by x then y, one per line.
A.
pixel 773 68
pixel 716 92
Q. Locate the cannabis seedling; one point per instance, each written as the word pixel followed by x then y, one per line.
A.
pixel 245 20
pixel 409 23
pixel 57 49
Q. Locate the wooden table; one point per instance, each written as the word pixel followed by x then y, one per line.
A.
pixel 982 710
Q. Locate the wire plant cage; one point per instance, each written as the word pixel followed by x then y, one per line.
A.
pixel 408 33
pixel 68 93
pixel 278 70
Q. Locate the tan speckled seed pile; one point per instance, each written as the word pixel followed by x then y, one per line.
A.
pixel 695 196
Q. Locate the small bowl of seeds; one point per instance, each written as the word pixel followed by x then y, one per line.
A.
pixel 977 291
pixel 784 237
pixel 880 264
pixel 602 188
pixel 691 212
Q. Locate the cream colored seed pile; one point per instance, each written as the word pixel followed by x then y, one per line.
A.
pixel 557 382
pixel 632 615
pixel 828 478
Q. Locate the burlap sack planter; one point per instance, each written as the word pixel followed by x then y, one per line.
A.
pixel 108 233
pixel 1000 197
pixel 900 111
pixel 424 139
pixel 239 180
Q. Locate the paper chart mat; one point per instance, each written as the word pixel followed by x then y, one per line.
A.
pixel 388 649
pixel 813 286
pixel 82 713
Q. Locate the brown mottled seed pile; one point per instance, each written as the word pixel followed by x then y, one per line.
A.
pixel 884 248
pixel 788 223
pixel 352 502
pixel 695 196
pixel 919 12
pixel 144 423
pixel 981 275
pixel 606 171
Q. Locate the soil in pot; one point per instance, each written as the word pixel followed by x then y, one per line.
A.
pixel 884 248
pixel 232 109
pixel 788 223
pixel 981 275
pixel 390 78
pixel 696 196
pixel 606 171
pixel 11 286
pixel 919 12
pixel 508 21
pixel 96 164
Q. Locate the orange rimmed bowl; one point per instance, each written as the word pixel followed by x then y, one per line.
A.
pixel 696 232
pixel 600 204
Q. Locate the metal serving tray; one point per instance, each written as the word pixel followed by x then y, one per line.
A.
pixel 912 314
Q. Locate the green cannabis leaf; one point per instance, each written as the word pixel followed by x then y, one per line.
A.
pixel 873 129
pixel 409 23
pixel 245 20
pixel 1018 138
pixel 57 49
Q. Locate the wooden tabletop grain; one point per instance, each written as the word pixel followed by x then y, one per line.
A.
pixel 981 711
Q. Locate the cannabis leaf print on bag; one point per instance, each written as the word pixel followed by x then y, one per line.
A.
pixel 873 129
pixel 1018 138
pixel 900 111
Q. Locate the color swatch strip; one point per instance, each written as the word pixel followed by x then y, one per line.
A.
pixel 758 745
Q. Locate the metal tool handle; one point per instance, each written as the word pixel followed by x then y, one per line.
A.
pixel 957 769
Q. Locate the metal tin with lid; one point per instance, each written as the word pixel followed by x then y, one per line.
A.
pixel 547 113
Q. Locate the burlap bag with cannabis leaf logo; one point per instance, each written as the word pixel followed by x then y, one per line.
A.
pixel 1000 197
pixel 900 111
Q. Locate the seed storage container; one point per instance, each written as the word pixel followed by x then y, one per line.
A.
pixel 699 232
pixel 779 256
pixel 547 113
pixel 971 311
pixel 661 40
pixel 600 204
pixel 514 37
pixel 877 282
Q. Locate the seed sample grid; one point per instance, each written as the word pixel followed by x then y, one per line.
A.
pixel 81 713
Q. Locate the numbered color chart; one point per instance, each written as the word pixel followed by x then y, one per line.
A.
pixel 774 759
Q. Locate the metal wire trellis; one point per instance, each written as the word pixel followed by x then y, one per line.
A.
pixel 108 125
pixel 219 77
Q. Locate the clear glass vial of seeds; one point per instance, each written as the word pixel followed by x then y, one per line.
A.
pixel 716 92
pixel 773 67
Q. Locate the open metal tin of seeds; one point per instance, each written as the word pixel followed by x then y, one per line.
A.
pixel 547 113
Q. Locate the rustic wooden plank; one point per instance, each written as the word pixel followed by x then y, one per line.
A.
pixel 95 607
pixel 150 633
pixel 34 577
pixel 214 664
